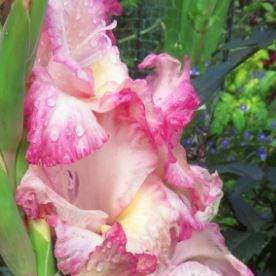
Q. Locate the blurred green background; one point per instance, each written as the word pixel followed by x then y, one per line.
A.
pixel 233 51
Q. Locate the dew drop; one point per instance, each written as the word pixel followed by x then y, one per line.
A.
pixel 78 16
pixel 81 75
pixel 58 42
pixel 100 267
pixel 51 102
pixel 109 245
pixel 79 130
pixel 54 136
pixel 116 258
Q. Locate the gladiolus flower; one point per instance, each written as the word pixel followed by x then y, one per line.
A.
pixel 107 170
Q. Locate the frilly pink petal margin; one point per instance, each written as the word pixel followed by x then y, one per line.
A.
pixel 111 258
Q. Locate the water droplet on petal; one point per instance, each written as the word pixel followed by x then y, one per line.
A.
pixel 51 102
pixel 116 258
pixel 54 136
pixel 100 266
pixel 81 75
pixel 109 244
pixel 79 130
pixel 66 158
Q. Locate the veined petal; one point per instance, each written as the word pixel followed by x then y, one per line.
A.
pixel 195 184
pixel 152 216
pixel 109 72
pixel 61 129
pixel 205 248
pixel 192 268
pixel 37 195
pixel 109 178
pixel 78 28
pixel 112 258
pixel 70 77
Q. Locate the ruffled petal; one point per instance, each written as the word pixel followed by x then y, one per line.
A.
pixel 172 92
pixel 112 258
pixel 152 216
pixel 39 199
pixel 113 7
pixel 73 247
pixel 195 184
pixel 61 129
pixel 207 248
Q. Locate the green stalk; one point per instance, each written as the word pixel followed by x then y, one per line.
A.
pixel 195 28
pixel 40 235
pixel 39 230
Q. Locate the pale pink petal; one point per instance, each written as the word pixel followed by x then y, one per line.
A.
pixel 69 77
pixel 38 198
pixel 73 247
pixel 192 268
pixel 112 258
pixel 109 72
pixel 172 92
pixel 152 216
pixel 203 190
pixel 61 129
pixel 206 247
pixel 109 178
pixel 77 29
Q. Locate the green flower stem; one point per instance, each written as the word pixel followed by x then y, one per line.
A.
pixel 15 246
pixel 40 235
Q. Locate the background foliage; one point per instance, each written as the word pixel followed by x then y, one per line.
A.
pixel 233 52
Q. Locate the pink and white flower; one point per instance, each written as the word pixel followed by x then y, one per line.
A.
pixel 106 170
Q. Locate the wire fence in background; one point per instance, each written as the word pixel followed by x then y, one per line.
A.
pixel 140 31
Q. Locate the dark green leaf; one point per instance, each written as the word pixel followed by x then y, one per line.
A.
pixel 252 171
pixel 245 213
pixel 14 45
pixel 208 84
pixel 245 184
pixel 245 245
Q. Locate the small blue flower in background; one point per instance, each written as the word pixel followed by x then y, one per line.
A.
pixel 243 107
pixel 195 72
pixel 224 143
pixel 247 135
pixel 258 75
pixel 212 148
pixel 264 216
pixel 273 124
pixel 187 142
pixel 262 153
pixel 262 137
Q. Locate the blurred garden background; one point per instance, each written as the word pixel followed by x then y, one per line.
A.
pixel 232 45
